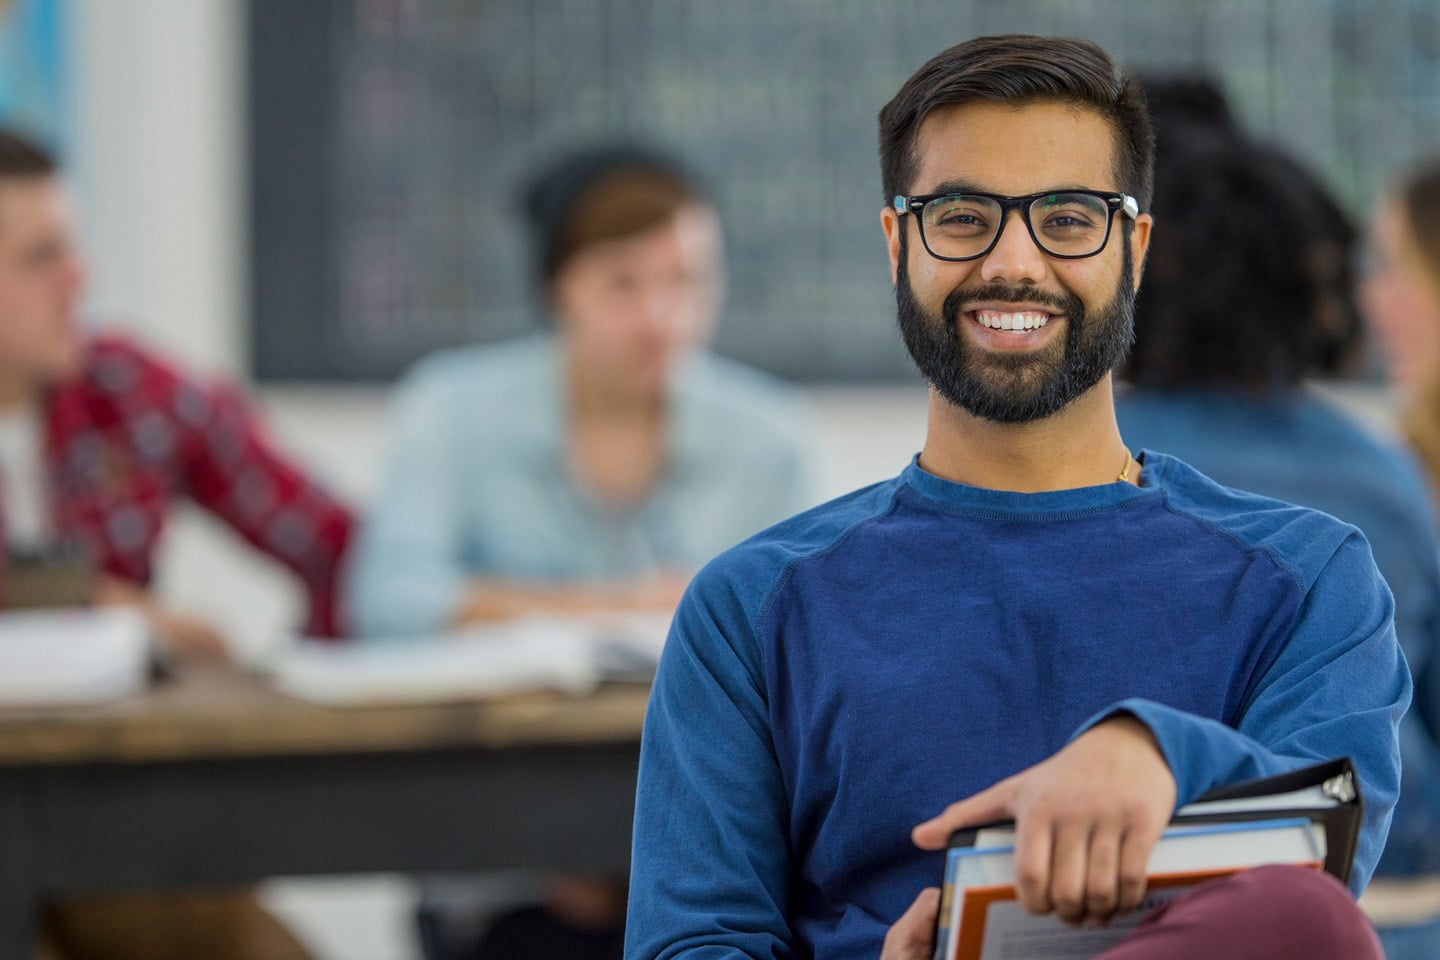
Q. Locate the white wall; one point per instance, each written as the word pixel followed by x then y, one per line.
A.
pixel 159 167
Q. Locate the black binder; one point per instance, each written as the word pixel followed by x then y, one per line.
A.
pixel 1326 793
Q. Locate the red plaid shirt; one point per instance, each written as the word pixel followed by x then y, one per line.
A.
pixel 131 434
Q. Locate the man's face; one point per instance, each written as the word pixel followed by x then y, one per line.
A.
pixel 41 278
pixel 1402 302
pixel 1075 317
pixel 634 307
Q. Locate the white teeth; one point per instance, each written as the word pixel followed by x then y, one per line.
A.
pixel 995 320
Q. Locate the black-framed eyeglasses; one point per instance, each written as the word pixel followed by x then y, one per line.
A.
pixel 1069 224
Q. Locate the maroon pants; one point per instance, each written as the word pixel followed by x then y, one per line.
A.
pixel 1269 913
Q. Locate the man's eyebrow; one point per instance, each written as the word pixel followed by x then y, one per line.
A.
pixel 958 186
pixel 970 186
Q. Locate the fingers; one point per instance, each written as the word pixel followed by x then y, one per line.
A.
pixel 1102 878
pixel 1102 890
pixel 913 935
pixel 1086 821
pixel 1074 868
pixel 1069 870
pixel 987 806
pixel 1134 856
pixel 1034 857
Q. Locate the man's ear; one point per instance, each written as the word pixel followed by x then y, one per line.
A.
pixel 890 222
pixel 1140 244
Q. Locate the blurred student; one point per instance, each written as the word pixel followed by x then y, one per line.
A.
pixel 1402 305
pixel 98 440
pixel 1244 299
pixel 594 464
pixel 591 466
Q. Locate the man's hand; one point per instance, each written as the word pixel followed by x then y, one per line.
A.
pixel 913 936
pixel 171 631
pixel 492 600
pixel 1085 821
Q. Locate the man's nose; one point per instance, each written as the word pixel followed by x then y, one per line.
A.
pixel 1015 258
pixel 74 274
pixel 658 307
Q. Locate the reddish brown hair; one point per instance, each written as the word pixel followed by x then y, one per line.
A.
pixel 22 157
pixel 601 195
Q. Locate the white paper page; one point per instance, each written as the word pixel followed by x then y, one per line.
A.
pixel 518 656
pixel 71 656
pixel 629 644
pixel 1304 799
pixel 1013 934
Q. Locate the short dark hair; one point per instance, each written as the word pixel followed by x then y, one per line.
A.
pixel 1018 69
pixel 604 193
pixel 21 157
pixel 1248 281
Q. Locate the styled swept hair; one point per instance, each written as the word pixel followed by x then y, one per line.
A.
pixel 1018 69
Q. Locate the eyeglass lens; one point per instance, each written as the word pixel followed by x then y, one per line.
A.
pixel 1065 224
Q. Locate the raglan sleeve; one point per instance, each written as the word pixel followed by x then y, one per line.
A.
pixel 710 865
pixel 1338 687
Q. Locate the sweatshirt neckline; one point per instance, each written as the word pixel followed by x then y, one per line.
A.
pixel 1050 504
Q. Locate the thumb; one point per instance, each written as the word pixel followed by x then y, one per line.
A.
pixel 913 935
pixel 987 806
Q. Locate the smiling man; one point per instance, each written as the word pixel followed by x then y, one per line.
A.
pixel 1030 621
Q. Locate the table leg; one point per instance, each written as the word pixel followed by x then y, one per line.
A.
pixel 19 899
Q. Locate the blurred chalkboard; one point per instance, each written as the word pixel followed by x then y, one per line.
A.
pixel 388 137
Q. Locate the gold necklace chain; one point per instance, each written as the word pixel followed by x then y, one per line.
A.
pixel 1125 470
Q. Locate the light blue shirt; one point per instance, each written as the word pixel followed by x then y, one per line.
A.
pixel 478 483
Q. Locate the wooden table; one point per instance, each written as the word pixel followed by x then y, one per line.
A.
pixel 212 779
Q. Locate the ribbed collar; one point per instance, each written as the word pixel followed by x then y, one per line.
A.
pixel 955 497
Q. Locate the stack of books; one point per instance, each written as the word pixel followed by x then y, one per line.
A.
pixel 1308 817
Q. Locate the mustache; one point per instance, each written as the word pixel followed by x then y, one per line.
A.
pixel 958 301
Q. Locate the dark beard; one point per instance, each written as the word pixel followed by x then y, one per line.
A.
pixel 1016 388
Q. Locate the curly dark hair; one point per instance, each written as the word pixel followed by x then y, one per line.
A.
pixel 1248 283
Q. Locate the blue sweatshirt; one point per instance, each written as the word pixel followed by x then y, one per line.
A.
pixel 846 674
pixel 1296 446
